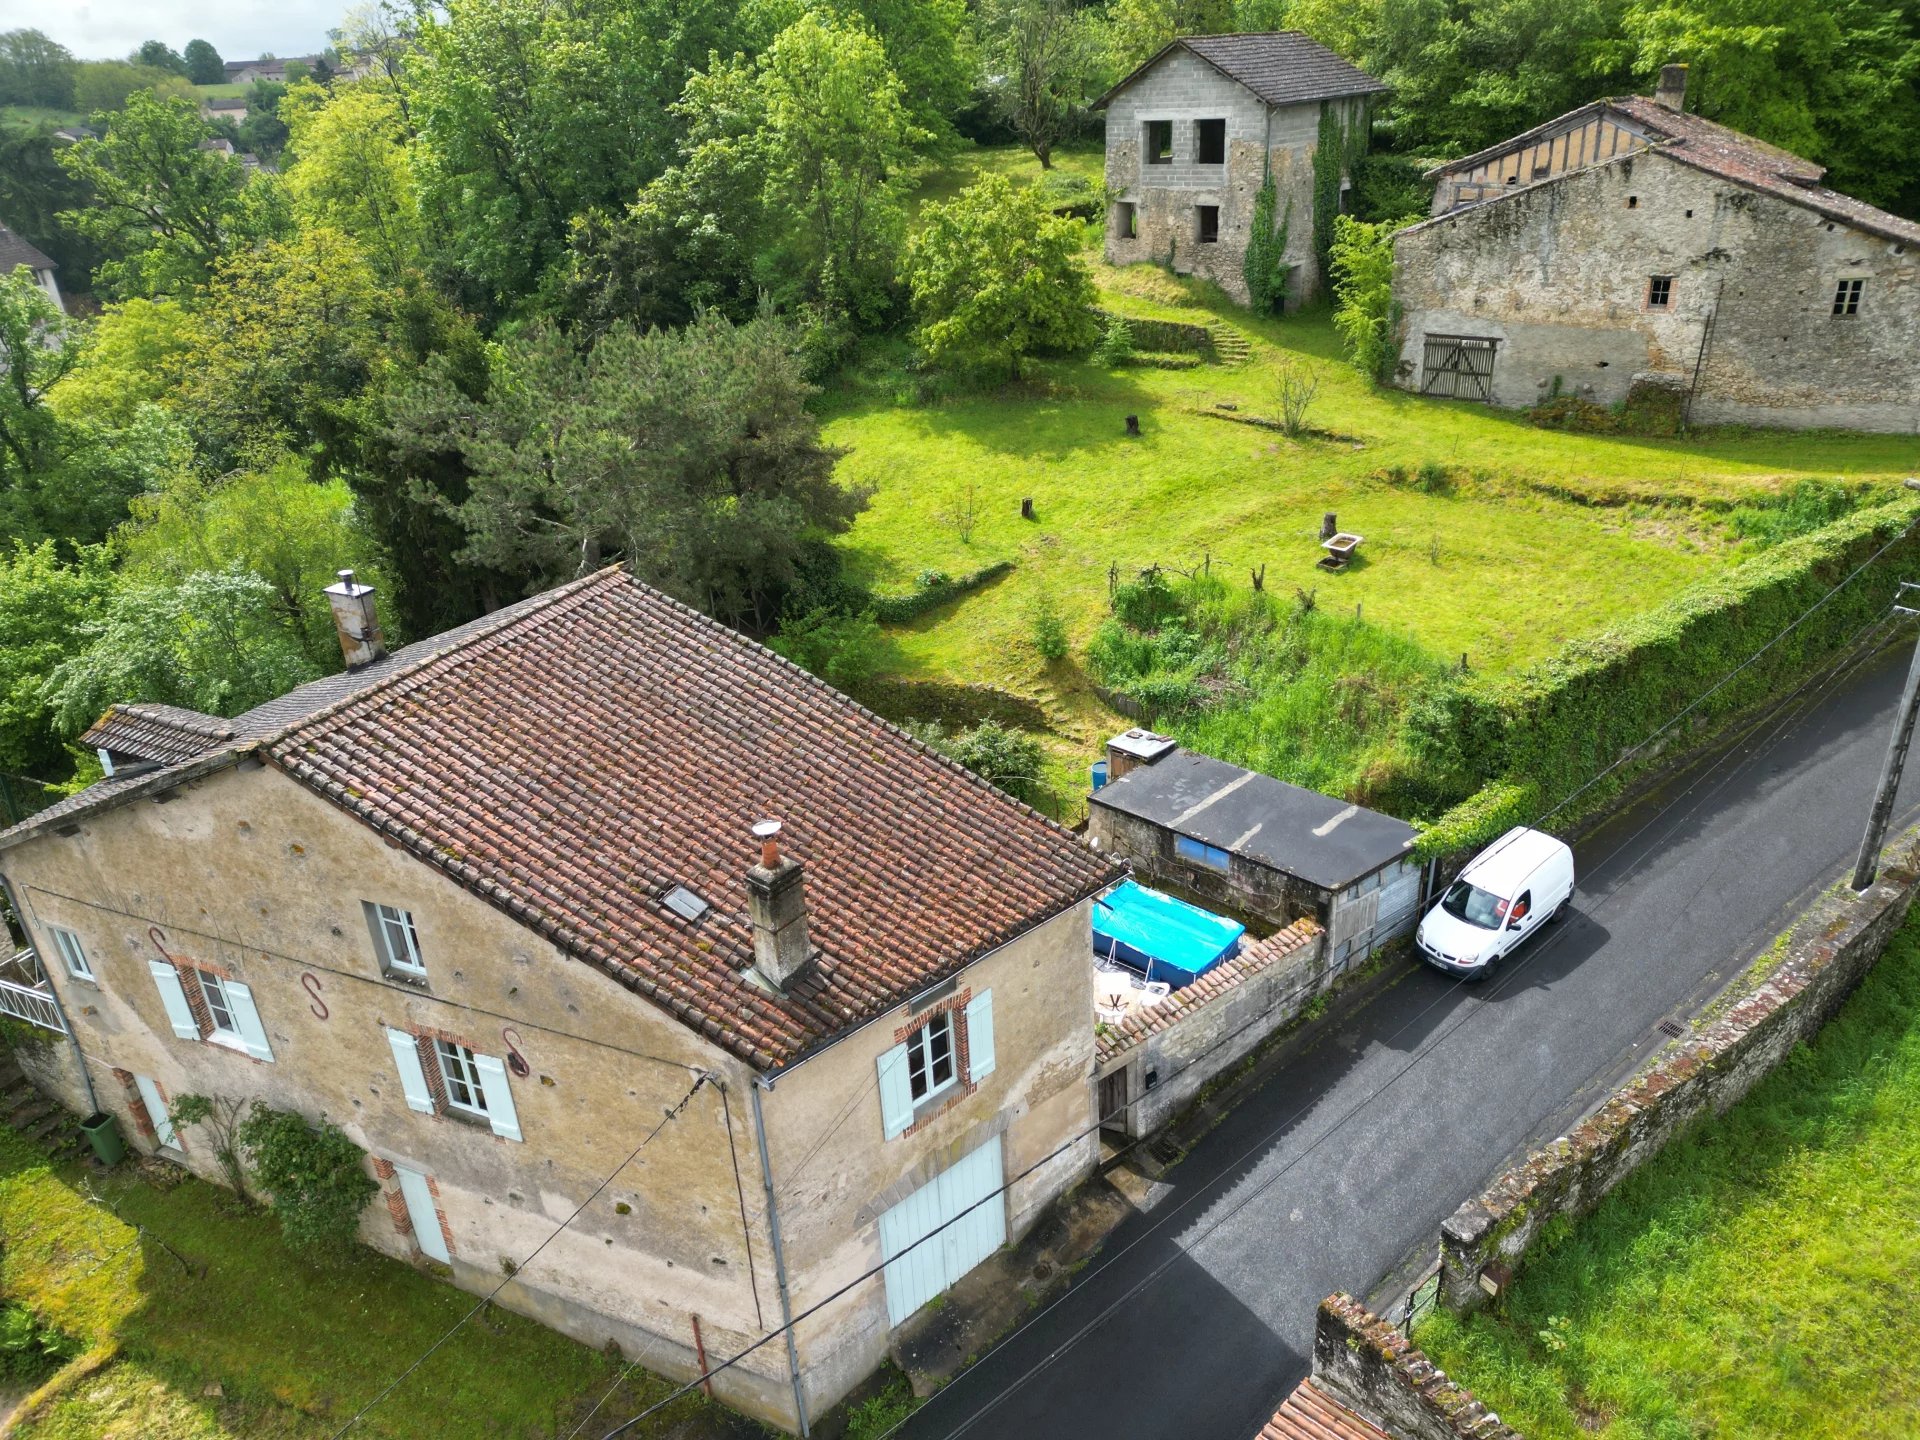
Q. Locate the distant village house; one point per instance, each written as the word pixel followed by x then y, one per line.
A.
pixel 1631 251
pixel 1194 133
pixel 16 252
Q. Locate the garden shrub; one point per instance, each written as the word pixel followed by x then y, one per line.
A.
pixel 1361 266
pixel 841 649
pixel 1116 343
pixel 1385 186
pixel 934 588
pixel 316 1176
pixel 1146 602
pixel 1008 758
pixel 1049 632
pixel 31 1347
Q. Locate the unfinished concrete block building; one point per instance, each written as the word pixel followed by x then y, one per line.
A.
pixel 1632 249
pixel 1193 133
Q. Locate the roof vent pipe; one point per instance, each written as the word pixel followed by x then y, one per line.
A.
pixel 1672 90
pixel 356 621
pixel 777 910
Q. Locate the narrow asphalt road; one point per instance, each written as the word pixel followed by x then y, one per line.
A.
pixel 1197 1317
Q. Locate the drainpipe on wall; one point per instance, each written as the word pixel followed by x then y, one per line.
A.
pixel 53 994
pixel 779 1258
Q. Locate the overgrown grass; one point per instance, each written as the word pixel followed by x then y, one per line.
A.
pixel 1537 538
pixel 245 1339
pixel 1755 1280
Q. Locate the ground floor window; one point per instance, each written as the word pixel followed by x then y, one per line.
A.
pixel 458 1069
pixel 1209 218
pixel 1126 222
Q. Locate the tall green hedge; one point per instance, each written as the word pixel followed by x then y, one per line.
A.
pixel 1556 725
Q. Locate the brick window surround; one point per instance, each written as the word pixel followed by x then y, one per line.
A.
pixel 396 1202
pixel 964 1085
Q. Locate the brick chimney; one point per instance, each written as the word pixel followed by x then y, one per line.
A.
pixel 356 621
pixel 777 908
pixel 1672 90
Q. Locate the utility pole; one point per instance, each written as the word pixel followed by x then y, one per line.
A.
pixel 1868 865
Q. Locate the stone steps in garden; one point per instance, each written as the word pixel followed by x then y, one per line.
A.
pixel 1230 347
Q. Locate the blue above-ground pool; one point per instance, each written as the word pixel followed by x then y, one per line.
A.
pixel 1163 938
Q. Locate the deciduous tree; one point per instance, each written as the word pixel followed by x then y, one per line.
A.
pixel 35 70
pixel 1043 64
pixel 204 65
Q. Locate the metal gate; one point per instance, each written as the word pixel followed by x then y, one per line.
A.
pixel 1458 365
pixel 963 1194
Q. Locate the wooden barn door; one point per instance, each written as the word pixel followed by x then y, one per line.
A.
pixel 1460 366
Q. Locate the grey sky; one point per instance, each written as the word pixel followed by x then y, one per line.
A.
pixel 239 29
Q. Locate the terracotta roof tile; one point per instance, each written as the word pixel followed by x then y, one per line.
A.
pixel 1111 1039
pixel 575 763
pixel 1310 1413
pixel 164 734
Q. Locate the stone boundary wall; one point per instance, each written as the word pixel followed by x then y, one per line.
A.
pixel 1205 1028
pixel 1368 1365
pixel 1174 336
pixel 1825 954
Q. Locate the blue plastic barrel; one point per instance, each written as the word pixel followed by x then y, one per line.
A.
pixel 1099 773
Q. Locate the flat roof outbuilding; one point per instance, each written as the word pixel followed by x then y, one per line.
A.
pixel 1312 837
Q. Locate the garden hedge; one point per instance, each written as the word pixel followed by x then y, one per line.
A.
pixel 1552 727
pixel 892 609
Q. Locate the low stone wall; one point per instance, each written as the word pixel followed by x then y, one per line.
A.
pixel 1824 956
pixel 1371 1367
pixel 1197 1032
pixel 1175 336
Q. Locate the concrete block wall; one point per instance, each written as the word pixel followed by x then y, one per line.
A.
pixel 1826 954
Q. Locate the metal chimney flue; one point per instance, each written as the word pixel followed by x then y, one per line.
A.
pixel 356 621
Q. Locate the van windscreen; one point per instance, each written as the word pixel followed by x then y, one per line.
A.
pixel 1475 906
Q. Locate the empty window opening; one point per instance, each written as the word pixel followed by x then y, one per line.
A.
pixel 1513 179
pixel 1126 222
pixel 1846 299
pixel 1659 292
pixel 1159 142
pixel 457 1068
pixel 1633 202
pixel 1542 170
pixel 1689 214
pixel 930 1058
pixel 1210 146
pixel 1209 223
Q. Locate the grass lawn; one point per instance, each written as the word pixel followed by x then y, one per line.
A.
pixel 32 117
pixel 226 90
pixel 1544 537
pixel 249 1341
pixel 1756 1280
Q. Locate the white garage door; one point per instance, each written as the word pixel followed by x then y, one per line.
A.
pixel 920 1273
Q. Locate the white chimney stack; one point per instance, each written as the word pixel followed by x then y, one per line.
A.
pixel 356 621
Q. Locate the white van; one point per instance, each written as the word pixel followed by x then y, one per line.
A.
pixel 1513 887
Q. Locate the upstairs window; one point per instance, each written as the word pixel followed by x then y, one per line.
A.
pixel 1846 298
pixel 465 1094
pixel 75 959
pixel 219 1008
pixel 1210 142
pixel 1659 292
pixel 1159 142
pixel 395 940
pixel 1209 219
pixel 930 1058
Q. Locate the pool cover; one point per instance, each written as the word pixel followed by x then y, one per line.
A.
pixel 1165 938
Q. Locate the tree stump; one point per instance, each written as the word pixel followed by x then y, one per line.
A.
pixel 1026 508
pixel 1329 526
pixel 1133 424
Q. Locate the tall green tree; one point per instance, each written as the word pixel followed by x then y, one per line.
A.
pixel 995 276
pixel 348 171
pixel 37 347
pixel 158 55
pixel 689 454
pixel 204 65
pixel 1045 63
pixel 100 86
pixel 35 70
pixel 44 606
pixel 164 211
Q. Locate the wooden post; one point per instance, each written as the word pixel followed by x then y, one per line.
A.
pixel 1026 508
pixel 1329 526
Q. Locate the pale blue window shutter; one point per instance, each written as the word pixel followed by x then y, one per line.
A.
pixel 896 1092
pixel 173 995
pixel 980 1036
pixel 413 1080
pixel 493 1084
pixel 240 1001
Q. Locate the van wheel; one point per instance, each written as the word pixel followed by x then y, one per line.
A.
pixel 1559 911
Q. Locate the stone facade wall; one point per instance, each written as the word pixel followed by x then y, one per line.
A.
pixel 1205 1028
pixel 1826 953
pixel 1558 273
pixel 1366 1363
pixel 249 874
pixel 1184 89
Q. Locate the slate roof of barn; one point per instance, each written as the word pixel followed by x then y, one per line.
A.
pixel 576 757
pixel 1282 67
pixel 15 252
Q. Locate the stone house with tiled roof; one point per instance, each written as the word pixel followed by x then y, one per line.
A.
pixel 1194 133
pixel 500 901
pixel 1630 249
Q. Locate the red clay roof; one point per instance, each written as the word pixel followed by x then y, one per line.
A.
pixel 574 764
pixel 164 734
pixel 1310 1413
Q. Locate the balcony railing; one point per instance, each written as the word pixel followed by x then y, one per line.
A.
pixel 24 993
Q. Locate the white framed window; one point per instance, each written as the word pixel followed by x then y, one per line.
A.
pixel 395 939
pixel 931 1063
pixel 461 1072
pixel 71 955
pixel 226 1026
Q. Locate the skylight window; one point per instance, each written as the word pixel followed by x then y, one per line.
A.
pixel 684 903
